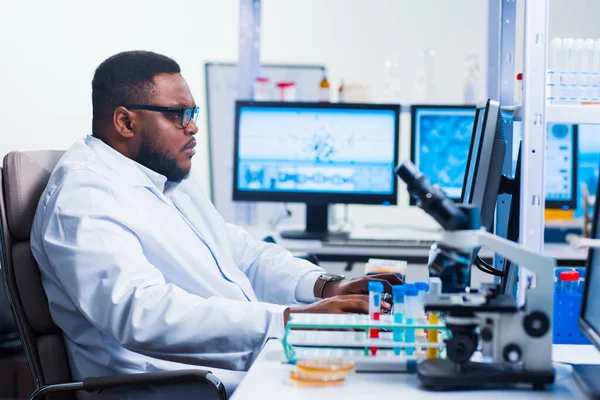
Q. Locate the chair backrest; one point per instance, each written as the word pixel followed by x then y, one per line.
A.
pixel 24 177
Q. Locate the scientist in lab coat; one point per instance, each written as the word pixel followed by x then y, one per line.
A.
pixel 141 272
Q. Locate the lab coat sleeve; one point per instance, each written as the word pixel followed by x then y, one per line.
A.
pixel 100 261
pixel 276 275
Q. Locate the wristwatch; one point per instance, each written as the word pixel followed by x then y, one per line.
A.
pixel 323 280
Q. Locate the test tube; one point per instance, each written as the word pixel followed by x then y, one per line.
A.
pixel 569 281
pixel 554 62
pixel 566 78
pixel 411 311
pixel 423 289
pixel 398 291
pixel 435 289
pixel 435 286
pixel 595 81
pixel 375 292
pixel 557 272
pixel 587 62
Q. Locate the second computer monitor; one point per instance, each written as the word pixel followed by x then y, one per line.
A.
pixel 441 135
pixel 440 144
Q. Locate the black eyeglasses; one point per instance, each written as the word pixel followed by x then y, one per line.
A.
pixel 186 114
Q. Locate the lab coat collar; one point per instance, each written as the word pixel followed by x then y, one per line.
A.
pixel 135 173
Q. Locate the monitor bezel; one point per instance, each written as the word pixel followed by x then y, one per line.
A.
pixel 315 197
pixel 487 148
pixel 413 132
pixel 587 328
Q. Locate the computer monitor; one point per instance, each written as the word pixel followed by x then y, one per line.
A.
pixel 589 319
pixel 561 167
pixel 315 153
pixel 440 138
pixel 484 164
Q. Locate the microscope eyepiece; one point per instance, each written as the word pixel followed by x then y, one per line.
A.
pixel 432 198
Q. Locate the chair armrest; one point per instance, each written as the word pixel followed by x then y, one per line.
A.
pixel 193 376
pixel 156 379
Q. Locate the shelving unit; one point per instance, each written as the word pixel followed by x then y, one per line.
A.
pixel 573 114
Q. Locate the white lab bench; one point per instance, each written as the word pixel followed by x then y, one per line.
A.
pixel 268 379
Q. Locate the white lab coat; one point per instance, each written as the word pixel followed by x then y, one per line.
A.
pixel 142 279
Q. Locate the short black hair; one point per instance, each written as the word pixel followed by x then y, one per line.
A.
pixel 127 78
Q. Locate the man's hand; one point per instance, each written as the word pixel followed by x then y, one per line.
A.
pixel 360 285
pixel 356 303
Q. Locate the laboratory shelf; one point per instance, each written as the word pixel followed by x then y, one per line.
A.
pixel 572 114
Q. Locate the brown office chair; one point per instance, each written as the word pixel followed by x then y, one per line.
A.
pixel 23 179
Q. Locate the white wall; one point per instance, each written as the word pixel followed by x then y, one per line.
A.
pixel 50 48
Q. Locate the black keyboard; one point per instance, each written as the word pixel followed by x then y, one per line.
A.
pixel 380 242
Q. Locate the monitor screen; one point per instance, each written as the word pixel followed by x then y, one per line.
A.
pixel 310 151
pixel 441 135
pixel 440 145
pixel 590 311
pixel 560 153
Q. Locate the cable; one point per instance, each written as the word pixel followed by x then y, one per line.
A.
pixel 279 218
pixel 485 264
pixel 487 268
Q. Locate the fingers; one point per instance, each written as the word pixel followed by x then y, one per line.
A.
pixel 361 285
pixel 354 305
pixel 393 279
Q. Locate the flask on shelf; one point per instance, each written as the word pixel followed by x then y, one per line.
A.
pixel 324 89
pixel 341 94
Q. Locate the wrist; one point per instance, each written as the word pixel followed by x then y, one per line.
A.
pixel 331 289
pixel 326 284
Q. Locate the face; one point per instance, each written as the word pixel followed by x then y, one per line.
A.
pixel 164 146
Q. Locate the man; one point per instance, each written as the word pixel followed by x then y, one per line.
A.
pixel 141 272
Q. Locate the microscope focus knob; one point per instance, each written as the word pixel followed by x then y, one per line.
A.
pixel 486 334
pixel 536 324
pixel 512 353
pixel 460 347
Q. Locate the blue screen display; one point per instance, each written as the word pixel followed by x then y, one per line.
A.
pixel 442 137
pixel 592 311
pixel 442 140
pixel 588 162
pixel 316 150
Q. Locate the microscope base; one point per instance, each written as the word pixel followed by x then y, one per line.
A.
pixel 439 374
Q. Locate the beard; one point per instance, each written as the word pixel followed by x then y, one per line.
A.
pixel 158 160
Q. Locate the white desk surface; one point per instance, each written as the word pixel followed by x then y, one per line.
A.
pixel 557 250
pixel 267 379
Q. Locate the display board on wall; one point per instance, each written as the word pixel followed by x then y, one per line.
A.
pixel 220 99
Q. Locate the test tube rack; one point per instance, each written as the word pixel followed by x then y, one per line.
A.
pixel 343 336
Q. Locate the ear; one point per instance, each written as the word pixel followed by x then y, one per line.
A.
pixel 124 121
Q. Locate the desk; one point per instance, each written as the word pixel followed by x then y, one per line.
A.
pixel 564 254
pixel 267 379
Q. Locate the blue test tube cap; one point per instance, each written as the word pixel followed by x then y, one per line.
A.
pixel 412 291
pixel 581 272
pixel 375 286
pixel 398 291
pixel 557 271
pixel 422 286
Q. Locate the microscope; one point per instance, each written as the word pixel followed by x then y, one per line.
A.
pixel 515 342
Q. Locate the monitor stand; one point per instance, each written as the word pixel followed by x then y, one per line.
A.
pixel 317 220
pixel 587 377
